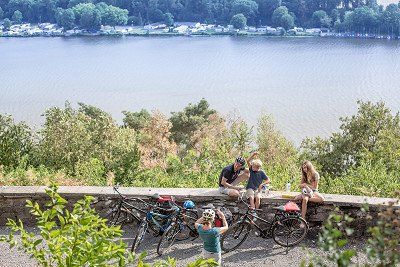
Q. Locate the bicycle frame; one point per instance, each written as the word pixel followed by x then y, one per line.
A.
pixel 181 219
pixel 150 218
pixel 265 232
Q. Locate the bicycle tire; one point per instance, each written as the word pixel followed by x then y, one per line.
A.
pixel 189 229
pixel 238 231
pixel 163 224
pixel 139 236
pixel 115 217
pixel 289 231
pixel 168 238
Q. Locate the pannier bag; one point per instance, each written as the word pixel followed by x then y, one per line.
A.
pixel 228 216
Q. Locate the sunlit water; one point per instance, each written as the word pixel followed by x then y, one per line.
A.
pixel 305 83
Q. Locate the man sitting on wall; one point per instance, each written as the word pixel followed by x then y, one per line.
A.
pixel 232 175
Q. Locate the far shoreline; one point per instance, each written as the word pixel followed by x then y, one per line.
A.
pixel 242 35
pixel 187 29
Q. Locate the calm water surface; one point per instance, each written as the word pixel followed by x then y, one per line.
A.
pixel 305 83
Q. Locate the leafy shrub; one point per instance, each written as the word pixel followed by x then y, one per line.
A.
pixel 16 141
pixel 77 238
pixel 384 245
pixel 369 179
pixel 279 156
pixel 382 249
pixel 191 148
pixel 91 171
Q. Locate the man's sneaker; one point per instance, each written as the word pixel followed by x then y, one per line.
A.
pixel 254 213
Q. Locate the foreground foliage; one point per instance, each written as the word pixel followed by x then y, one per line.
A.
pixel 382 248
pixel 76 238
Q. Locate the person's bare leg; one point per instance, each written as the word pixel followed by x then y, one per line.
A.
pixel 298 197
pixel 304 207
pixel 258 202
pixel 251 200
pixel 233 193
pixel 317 198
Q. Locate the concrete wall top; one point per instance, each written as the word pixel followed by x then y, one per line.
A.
pixel 198 194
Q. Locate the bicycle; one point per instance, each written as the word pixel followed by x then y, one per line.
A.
pixel 159 223
pixel 181 228
pixel 125 210
pixel 287 228
pixel 156 222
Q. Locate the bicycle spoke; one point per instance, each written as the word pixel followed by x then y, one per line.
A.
pixel 168 239
pixel 289 231
pixel 235 236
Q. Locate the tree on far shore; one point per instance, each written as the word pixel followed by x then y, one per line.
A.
pixel 282 18
pixel 114 16
pixel 239 21
pixel 169 19
pixel 65 18
pixel 7 24
pixel 17 17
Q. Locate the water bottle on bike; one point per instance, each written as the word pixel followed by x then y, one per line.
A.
pixel 265 189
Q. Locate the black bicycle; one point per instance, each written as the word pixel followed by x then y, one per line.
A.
pixel 182 228
pixel 126 210
pixel 287 228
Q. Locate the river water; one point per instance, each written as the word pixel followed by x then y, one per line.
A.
pixel 305 83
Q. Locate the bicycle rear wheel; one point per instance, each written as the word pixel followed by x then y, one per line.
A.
pixel 289 231
pixel 235 236
pixel 139 235
pixel 188 228
pixel 168 238
pixel 116 216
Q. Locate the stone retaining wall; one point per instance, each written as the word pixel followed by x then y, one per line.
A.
pixel 13 201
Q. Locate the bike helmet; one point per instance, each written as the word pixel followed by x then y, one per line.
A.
pixel 209 215
pixel 188 204
pixel 240 160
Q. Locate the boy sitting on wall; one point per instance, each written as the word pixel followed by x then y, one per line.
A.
pixel 257 179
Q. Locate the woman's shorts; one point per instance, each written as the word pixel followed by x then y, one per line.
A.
pixel 213 255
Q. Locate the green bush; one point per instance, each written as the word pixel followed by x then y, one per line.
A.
pixel 382 249
pixel 368 179
pixel 77 238
pixel 81 145
pixel 91 171
pixel 16 141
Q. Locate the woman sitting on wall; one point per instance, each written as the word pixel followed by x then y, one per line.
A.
pixel 309 187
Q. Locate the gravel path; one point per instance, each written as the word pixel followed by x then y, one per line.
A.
pixel 253 252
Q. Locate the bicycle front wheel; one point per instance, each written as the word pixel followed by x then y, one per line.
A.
pixel 139 236
pixel 168 238
pixel 289 231
pixel 188 228
pixel 235 236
